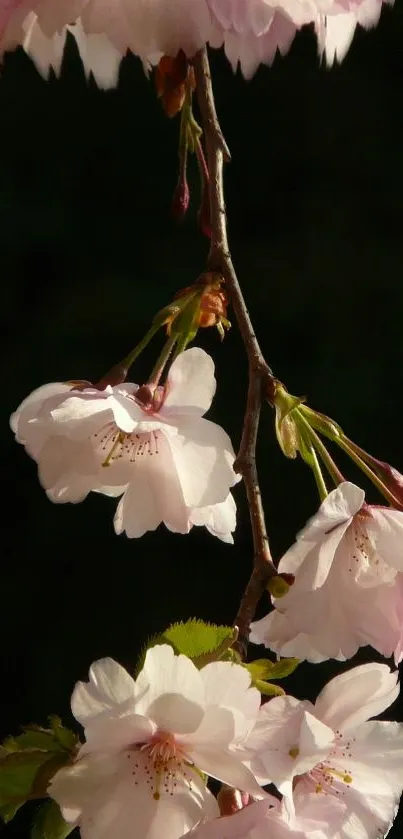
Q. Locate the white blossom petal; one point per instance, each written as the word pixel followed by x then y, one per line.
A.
pixel 154 494
pixel 190 386
pixel 386 528
pixel 113 804
pixel 287 741
pixel 204 459
pixel 220 519
pixel 110 684
pixel 353 697
pixel 226 767
pixel 229 686
pixel 164 673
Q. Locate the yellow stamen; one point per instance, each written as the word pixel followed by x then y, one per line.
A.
pixel 118 442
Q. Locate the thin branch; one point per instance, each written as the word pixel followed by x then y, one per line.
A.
pixel 261 379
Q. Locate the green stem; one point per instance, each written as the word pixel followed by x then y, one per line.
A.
pixel 161 361
pixel 351 451
pixel 318 475
pixel 322 451
pixel 128 361
pixel 311 459
pixel 181 343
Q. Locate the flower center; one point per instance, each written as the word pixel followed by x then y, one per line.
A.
pixel 163 749
pixel 333 779
pixel 325 778
pixel 366 565
pixel 161 765
pixel 115 445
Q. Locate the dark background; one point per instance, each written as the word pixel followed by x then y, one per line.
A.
pixel 89 253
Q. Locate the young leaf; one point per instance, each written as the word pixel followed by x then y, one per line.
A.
pixel 196 638
pixel 25 775
pixel 49 823
pixel 260 669
pixel 54 739
pixel 46 772
pixel 17 775
pixel 67 739
pixel 33 738
pixel 267 689
pixel 284 667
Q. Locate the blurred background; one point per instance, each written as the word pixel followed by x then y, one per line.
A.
pixel 89 253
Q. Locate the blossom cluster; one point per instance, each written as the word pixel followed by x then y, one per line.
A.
pixel 151 744
pixel 251 31
pixel 169 464
pixel 165 460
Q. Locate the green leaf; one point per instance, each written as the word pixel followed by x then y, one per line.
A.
pixel 260 669
pixel 17 775
pixel 268 689
pixel 284 667
pixel 202 642
pixel 33 738
pixel 50 824
pixel 46 772
pixel 66 738
pixel 196 639
pixel 54 739
pixel 8 811
pixel 25 775
pixel 263 669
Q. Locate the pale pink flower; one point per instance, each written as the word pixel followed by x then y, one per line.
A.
pixel 104 31
pixel 170 464
pixel 271 819
pixel 335 26
pixel 247 49
pixel 348 564
pixel 41 27
pixel 219 519
pixel 147 742
pixel 358 762
pixel 252 31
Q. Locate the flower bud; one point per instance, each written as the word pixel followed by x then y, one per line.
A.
pixel 116 376
pixel 181 198
pixel 285 424
pixel 279 585
pixel 390 477
pixel 171 76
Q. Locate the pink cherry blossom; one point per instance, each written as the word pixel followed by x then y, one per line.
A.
pixel 169 464
pixel 270 819
pixel 358 762
pixel 147 742
pixel 41 27
pixel 252 31
pixel 348 590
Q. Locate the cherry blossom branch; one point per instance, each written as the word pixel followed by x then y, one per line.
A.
pixel 261 379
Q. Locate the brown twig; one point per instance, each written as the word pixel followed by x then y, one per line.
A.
pixel 261 379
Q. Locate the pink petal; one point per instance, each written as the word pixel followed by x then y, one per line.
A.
pixel 165 673
pixel 190 385
pixel 355 696
pixel 203 457
pixel 109 685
